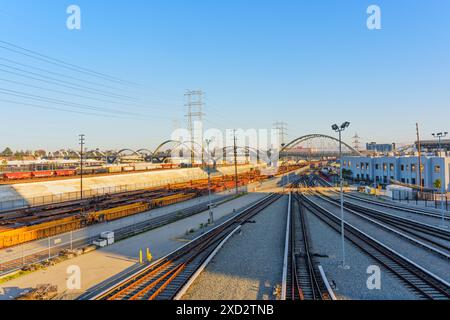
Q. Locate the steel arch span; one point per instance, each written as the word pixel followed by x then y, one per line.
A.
pixel 286 149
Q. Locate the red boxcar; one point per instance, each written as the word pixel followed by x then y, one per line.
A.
pixel 17 175
pixel 43 174
pixel 65 173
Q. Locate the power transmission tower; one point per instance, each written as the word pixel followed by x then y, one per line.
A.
pixel 195 113
pixel 281 128
pixel 356 141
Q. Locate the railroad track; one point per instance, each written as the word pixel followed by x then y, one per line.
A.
pixel 165 278
pixel 304 280
pixel 424 283
pixel 418 211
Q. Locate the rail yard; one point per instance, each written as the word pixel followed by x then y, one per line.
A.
pixel 407 244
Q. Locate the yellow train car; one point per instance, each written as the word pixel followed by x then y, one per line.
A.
pixel 118 212
pixel 165 201
pixel 13 237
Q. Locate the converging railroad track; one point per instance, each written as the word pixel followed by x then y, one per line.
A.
pixel 304 280
pixel 423 282
pixel 166 277
pixel 417 211
pixel 431 237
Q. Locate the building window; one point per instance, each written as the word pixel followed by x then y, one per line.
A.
pixel 345 163
pixel 437 169
pixel 377 166
pixel 407 167
pixel 413 180
pixel 377 178
pixel 384 166
pixel 402 167
pixel 349 163
pixel 391 167
pixel 413 168
pixel 357 166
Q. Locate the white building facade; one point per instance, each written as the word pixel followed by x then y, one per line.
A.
pixel 381 170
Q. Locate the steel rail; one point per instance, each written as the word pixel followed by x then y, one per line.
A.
pixel 164 278
pixel 418 278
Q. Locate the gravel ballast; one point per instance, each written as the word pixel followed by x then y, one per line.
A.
pixel 249 266
pixel 351 283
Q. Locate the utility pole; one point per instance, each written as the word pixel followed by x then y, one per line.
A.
pixel 81 163
pixel 195 113
pixel 281 128
pixel 208 167
pixel 419 153
pixel 235 162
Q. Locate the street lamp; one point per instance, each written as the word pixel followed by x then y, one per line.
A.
pixel 339 129
pixel 440 136
pixel 211 213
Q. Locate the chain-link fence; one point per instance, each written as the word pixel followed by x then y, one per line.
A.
pixel 426 199
pixel 18 203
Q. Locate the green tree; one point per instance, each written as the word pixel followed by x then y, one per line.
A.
pixel 438 184
pixel 7 152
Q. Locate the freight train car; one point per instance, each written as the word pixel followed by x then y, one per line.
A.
pixel 17 175
pixel 10 236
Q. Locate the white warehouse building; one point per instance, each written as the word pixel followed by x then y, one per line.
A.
pixel 381 170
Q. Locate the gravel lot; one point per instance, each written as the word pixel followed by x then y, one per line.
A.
pixel 249 266
pixel 351 283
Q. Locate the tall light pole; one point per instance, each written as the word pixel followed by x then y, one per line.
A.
pixel 439 136
pixel 211 213
pixel 81 164
pixel 338 129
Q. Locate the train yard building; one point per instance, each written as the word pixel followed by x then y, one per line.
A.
pixel 383 170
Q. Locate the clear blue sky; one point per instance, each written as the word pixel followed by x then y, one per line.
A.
pixel 309 63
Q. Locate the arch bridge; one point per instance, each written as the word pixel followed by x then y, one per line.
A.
pixel 315 147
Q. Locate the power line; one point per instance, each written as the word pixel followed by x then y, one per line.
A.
pixel 61 63
pixel 118 96
pixel 59 74
pixel 63 102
